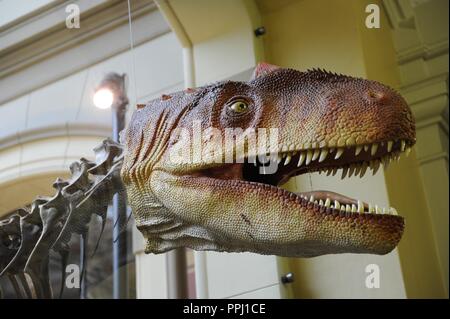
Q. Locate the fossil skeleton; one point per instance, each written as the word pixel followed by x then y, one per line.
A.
pixel 29 234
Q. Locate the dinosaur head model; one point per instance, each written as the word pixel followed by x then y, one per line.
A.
pixel 185 191
pixel 202 169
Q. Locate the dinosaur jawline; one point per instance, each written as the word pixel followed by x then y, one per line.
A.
pixel 354 160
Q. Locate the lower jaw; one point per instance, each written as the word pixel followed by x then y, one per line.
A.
pixel 279 222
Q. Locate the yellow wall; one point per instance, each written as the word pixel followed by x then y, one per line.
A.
pixel 306 34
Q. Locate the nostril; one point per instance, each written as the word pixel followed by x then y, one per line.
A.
pixel 375 96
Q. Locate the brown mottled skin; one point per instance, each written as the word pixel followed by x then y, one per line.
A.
pixel 232 207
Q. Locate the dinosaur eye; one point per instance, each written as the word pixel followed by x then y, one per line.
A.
pixel 239 107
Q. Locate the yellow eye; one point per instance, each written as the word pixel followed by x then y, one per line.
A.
pixel 239 107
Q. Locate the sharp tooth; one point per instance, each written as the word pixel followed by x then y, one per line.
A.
pixel 343 208
pixel 316 202
pixel 327 202
pixel 315 154
pixel 358 150
pixel 344 172
pixel 348 208
pixel 360 207
pixel 335 171
pixel 323 155
pixel 337 205
pixel 321 202
pixel 309 155
pixel 385 211
pixel 389 146
pixel 301 159
pixel 311 199
pixel 375 165
pixel 279 158
pixel 354 210
pixel 288 159
pixel 393 211
pixel 332 149
pixel 363 169
pixel 329 171
pixel 366 148
pixel 351 170
pixel 407 151
pixel 357 169
pixel 339 153
pixel 377 210
pixel 370 208
pixel 374 149
pixel 402 145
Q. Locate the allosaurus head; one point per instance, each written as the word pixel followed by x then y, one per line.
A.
pixel 185 191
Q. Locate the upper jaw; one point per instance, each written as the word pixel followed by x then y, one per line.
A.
pixel 354 159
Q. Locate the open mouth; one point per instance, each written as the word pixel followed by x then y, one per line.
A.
pixel 354 160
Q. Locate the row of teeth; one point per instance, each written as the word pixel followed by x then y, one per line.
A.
pixel 373 209
pixel 360 169
pixel 320 154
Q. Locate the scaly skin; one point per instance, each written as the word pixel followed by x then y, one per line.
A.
pixel 210 205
